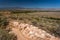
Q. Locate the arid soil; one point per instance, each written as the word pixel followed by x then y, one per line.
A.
pixel 29 32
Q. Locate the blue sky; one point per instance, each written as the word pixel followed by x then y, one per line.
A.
pixel 30 3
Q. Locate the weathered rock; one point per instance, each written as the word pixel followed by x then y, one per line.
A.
pixel 31 32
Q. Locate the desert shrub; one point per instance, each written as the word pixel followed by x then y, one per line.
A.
pixel 51 18
pixel 37 18
pixel 3 22
pixel 4 35
pixel 20 18
pixel 57 32
pixel 13 17
pixel 21 11
pixel 34 23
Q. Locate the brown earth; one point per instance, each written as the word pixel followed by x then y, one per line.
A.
pixel 29 32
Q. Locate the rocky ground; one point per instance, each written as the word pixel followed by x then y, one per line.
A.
pixel 29 32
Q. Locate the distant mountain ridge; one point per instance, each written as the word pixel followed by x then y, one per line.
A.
pixel 36 9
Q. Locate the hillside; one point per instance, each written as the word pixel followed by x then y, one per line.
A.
pixel 49 22
pixel 29 32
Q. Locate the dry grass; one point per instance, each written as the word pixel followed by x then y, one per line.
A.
pixel 49 21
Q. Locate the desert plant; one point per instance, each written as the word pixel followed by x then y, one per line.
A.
pixel 3 22
pixel 4 35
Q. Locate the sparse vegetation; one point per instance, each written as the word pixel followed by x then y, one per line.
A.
pixel 50 24
pixel 4 35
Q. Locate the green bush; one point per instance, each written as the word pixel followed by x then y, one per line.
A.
pixel 4 35
pixel 3 22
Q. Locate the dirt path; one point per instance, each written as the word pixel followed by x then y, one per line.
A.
pixel 30 32
pixel 19 34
